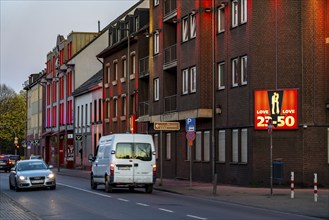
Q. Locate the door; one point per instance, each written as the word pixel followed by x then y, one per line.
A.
pixel 101 163
pixel 133 163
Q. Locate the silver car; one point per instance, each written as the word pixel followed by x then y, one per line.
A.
pixel 32 174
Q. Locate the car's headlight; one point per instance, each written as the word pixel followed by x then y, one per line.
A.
pixel 51 175
pixel 22 178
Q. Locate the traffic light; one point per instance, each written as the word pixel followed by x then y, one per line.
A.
pixel 16 140
pixel 17 146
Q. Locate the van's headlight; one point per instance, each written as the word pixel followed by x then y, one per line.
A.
pixel 51 175
pixel 22 178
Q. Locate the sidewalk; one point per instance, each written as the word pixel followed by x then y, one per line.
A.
pixel 303 202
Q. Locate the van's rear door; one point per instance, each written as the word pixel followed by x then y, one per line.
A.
pixel 124 163
pixel 143 170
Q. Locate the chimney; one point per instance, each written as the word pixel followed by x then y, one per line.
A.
pixel 99 26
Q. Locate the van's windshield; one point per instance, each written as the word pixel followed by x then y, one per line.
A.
pixel 141 151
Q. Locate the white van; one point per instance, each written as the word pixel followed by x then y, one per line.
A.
pixel 124 160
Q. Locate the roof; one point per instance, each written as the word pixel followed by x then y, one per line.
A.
pixel 90 84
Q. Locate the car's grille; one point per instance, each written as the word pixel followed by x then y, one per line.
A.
pixel 37 180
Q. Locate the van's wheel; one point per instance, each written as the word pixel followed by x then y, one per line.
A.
pixel 93 185
pixel 149 188
pixel 108 187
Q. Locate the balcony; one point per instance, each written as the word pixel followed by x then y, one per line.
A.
pixel 170 103
pixel 170 57
pixel 143 108
pixel 144 67
pixel 170 9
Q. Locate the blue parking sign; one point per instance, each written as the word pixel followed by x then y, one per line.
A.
pixel 190 124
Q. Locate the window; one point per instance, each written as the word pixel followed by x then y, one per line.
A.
pixel 192 26
pixel 90 112
pixel 168 146
pixel 198 146
pixel 136 23
pixel 78 118
pixel 235 147
pixel 221 146
pixel 185 81
pixel 243 11
pixel 143 151
pixel 95 110
pixel 206 146
pixel 124 151
pixel 156 2
pixel 221 84
pixel 244 145
pixel 156 89
pixel 108 109
pixel 133 60
pixel 108 72
pixel 86 115
pixel 235 9
pixel 221 19
pixel 124 108
pixel 185 29
pixel 99 109
pixel 189 80
pixel 111 39
pixel 82 123
pixel 235 72
pixel 124 68
pixel 193 79
pixel 156 42
pixel 115 108
pixel 244 73
pixel 115 71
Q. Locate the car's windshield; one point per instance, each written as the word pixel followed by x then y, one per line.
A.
pixel 35 165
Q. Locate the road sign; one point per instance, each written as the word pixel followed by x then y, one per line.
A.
pixel 166 126
pixel 190 124
pixel 190 136
pixel 78 137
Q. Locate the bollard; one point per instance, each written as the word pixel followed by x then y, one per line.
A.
pixel 292 185
pixel 315 187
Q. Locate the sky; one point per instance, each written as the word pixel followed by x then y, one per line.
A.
pixel 29 30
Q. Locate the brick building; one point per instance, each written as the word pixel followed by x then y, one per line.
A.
pixel 209 59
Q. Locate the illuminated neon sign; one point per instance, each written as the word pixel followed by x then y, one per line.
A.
pixel 278 105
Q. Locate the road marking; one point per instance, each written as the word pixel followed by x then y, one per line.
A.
pixel 142 204
pixel 197 217
pixel 84 190
pixel 165 210
pixel 124 200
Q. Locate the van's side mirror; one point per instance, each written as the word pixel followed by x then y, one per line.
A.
pixel 154 153
pixel 112 151
pixel 91 158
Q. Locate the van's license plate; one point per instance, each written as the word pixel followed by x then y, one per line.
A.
pixel 123 168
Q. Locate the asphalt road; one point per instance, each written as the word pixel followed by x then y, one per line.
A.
pixel 73 199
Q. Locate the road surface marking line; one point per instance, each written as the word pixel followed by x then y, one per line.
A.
pixel 165 210
pixel 124 200
pixel 84 190
pixel 142 204
pixel 193 216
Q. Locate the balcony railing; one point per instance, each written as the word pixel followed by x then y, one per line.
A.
pixel 170 103
pixel 144 67
pixel 170 9
pixel 143 108
pixel 170 57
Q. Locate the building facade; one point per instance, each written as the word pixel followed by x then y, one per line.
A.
pixel 227 51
